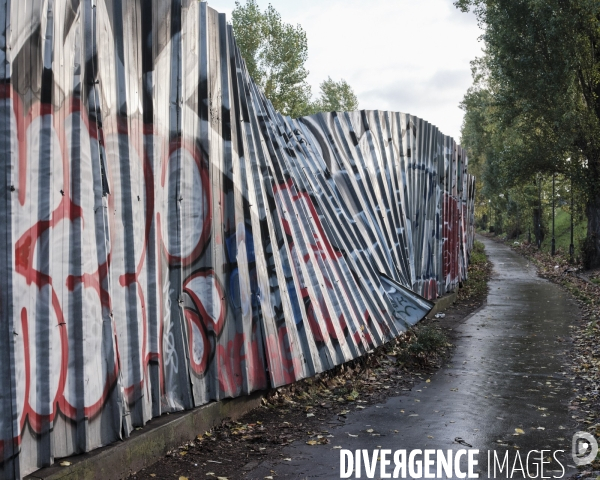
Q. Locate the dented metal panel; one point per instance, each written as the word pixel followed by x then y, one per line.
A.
pixel 169 239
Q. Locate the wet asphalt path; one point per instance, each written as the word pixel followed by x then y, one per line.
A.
pixel 506 374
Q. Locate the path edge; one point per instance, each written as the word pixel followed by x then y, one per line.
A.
pixel 160 435
pixel 149 444
pixel 443 303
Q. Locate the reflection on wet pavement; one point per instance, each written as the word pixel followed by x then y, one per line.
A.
pixel 504 390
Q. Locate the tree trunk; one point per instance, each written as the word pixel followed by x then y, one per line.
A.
pixel 591 247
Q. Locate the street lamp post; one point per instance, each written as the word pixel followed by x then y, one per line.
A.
pixel 571 246
pixel 553 207
pixel 539 219
pixel 502 226
pixel 518 222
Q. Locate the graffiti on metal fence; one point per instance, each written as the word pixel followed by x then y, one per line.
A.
pixel 169 239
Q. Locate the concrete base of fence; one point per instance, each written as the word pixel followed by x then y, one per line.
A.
pixel 150 444
pixel 443 303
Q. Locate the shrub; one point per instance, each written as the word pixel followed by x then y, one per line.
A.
pixel 428 341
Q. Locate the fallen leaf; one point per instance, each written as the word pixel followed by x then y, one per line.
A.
pixel 153 474
pixel 64 464
pixel 519 431
pixel 310 414
pixel 428 381
pixel 183 478
pixel 312 442
pixel 337 447
pixel 370 430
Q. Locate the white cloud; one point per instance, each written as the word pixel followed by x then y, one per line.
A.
pixel 401 55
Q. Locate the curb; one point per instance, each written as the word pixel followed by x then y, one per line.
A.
pixel 148 445
pixel 443 303
pixel 145 447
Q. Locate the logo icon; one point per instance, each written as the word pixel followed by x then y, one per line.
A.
pixel 585 448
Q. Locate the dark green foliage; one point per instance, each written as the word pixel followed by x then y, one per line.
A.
pixel 478 256
pixel 476 285
pixel 534 108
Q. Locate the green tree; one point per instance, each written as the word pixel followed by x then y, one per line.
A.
pixel 541 71
pixel 336 96
pixel 275 53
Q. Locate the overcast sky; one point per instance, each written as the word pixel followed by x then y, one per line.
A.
pixel 410 56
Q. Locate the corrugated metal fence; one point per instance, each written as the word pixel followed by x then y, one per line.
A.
pixel 169 239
